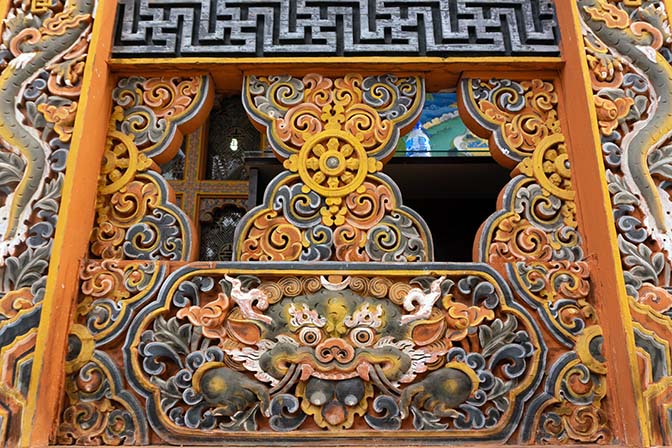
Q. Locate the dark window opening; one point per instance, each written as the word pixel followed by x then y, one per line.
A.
pixel 217 232
pixel 444 173
pixel 453 194
pixel 230 136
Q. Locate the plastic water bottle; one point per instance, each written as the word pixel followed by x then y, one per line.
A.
pixel 417 142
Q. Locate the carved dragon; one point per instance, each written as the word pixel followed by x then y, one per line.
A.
pixel 34 46
pixel 637 38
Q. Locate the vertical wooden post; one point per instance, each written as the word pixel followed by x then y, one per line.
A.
pixel 72 234
pixel 597 226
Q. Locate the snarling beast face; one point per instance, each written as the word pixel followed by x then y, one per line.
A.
pixel 336 344
pixel 331 350
pixel 336 336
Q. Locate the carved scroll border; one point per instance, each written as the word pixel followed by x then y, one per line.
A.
pixel 532 242
pixel 136 216
pixel 628 57
pixel 42 60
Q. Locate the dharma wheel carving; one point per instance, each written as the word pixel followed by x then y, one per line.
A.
pixel 333 203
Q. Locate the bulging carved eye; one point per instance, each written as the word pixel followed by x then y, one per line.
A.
pixel 310 335
pixel 362 336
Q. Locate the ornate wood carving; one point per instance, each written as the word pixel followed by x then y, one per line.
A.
pixel 629 52
pixel 533 241
pixel 429 352
pixel 332 202
pixel 331 355
pixel 520 357
pixel 136 217
pixel 332 28
pixel 42 60
pixel 315 350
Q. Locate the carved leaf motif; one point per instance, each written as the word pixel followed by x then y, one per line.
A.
pixel 52 193
pixel 619 191
pixel 11 170
pixel 242 420
pixel 174 335
pixel 641 261
pixel 424 420
pixel 497 335
pixel 660 162
pixel 170 393
pixel 26 269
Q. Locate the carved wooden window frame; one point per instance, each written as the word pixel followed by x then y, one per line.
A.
pixel 536 165
pixel 532 241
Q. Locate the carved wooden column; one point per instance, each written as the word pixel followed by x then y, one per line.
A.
pixel 627 66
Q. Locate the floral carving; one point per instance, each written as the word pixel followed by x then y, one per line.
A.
pixel 467 352
pixel 629 58
pixel 332 203
pixel 42 58
pixel 136 215
pixel 534 242
pixel 325 355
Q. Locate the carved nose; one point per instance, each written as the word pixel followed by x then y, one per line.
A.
pixel 334 349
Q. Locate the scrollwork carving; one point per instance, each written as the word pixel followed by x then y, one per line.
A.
pixel 332 203
pixel 534 242
pixel 136 215
pixel 99 411
pixel 445 350
pixel 42 59
pixel 628 55
pixel 227 352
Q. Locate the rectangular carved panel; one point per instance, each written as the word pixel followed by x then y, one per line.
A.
pixel 441 353
pixel 335 28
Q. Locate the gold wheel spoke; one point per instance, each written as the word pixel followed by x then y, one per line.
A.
pixel 313 163
pixel 347 178
pixel 319 149
pixel 333 144
pixel 319 177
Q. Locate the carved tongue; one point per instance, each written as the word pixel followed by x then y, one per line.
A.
pixel 306 372
pixel 363 371
pixel 334 413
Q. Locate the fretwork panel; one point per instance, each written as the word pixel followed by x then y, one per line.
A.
pixel 150 28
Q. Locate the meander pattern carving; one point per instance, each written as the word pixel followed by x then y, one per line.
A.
pixel 335 28
pixel 42 60
pixel 628 53
pixel 503 349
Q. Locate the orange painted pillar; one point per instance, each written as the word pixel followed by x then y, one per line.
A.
pixel 75 220
pixel 596 223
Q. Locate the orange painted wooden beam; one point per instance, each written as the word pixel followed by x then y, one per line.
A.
pixel 71 242
pixel 439 73
pixel 596 223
